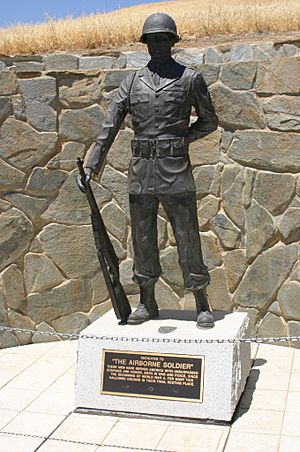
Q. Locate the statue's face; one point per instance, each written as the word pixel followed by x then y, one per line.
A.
pixel 159 46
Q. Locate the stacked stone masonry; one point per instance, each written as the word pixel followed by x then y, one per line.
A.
pixel 246 172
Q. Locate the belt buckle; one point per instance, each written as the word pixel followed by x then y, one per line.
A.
pixel 152 148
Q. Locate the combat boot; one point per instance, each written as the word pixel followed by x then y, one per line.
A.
pixel 147 308
pixel 204 315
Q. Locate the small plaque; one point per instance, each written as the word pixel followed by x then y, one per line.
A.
pixel 160 376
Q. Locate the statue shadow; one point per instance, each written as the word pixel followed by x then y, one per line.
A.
pixel 176 314
pixel 247 396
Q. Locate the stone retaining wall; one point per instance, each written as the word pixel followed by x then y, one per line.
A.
pixel 246 175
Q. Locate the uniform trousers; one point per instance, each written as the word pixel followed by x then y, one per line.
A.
pixel 181 210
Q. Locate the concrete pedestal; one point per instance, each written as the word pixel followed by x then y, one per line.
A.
pixel 224 366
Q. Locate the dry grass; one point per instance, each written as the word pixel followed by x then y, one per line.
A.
pixel 195 18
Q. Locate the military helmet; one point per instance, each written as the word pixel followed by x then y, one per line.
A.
pixel 159 23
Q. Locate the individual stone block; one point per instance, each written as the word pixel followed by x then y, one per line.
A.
pixel 235 263
pixel 60 62
pixel 67 298
pixel 44 181
pixel 101 62
pixel 189 57
pixel 114 78
pixel 126 273
pixel 40 99
pixel 99 310
pixel 207 150
pixel 4 206
pixel 40 273
pixel 272 326
pixel 229 174
pixel 226 231
pixel 203 176
pixel 24 147
pixel 100 293
pixel 287 50
pixel 136 59
pixel 259 149
pixel 10 177
pixel 282 113
pixel 242 52
pixel 66 159
pixel 295 273
pixel 13 287
pixel 274 191
pixel 294 330
pixel 71 248
pixel 212 56
pixel 3 309
pixel 81 125
pixel 206 209
pixel 232 200
pixel 265 51
pixel 265 275
pixel 249 178
pixel 250 52
pixel 289 225
pixel 5 108
pixel 120 152
pixel 116 183
pixel 278 76
pixel 171 271
pixel 210 250
pixel 259 229
pixel 162 236
pixel 80 91
pixel 210 72
pixel 43 327
pixel 3 66
pixel 18 320
pixel 30 205
pixel 26 58
pixel 115 220
pixel 166 297
pixel 245 111
pixel 288 297
pixel 17 232
pixel 72 323
pixel 238 75
pixel 275 309
pixel 19 109
pixel 28 66
pixel 8 339
pixel 8 83
pixel 217 291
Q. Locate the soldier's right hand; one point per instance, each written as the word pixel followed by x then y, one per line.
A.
pixel 82 181
pixel 88 174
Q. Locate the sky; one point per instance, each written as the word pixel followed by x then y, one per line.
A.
pixel 32 11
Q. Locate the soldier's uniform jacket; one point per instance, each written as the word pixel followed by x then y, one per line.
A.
pixel 160 100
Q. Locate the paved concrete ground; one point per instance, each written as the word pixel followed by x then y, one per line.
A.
pixel 37 403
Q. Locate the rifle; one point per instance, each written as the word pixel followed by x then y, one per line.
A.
pixel 107 257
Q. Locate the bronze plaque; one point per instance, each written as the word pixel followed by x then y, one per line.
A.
pixel 160 376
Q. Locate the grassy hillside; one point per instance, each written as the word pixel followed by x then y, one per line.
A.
pixel 195 18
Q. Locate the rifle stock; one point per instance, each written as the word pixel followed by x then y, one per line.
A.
pixel 107 257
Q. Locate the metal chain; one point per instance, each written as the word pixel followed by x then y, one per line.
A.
pixel 71 336
pixel 82 443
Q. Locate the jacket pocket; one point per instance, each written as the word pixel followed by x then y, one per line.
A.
pixel 140 106
pixel 173 101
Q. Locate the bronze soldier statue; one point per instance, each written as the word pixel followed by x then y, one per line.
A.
pixel 160 97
